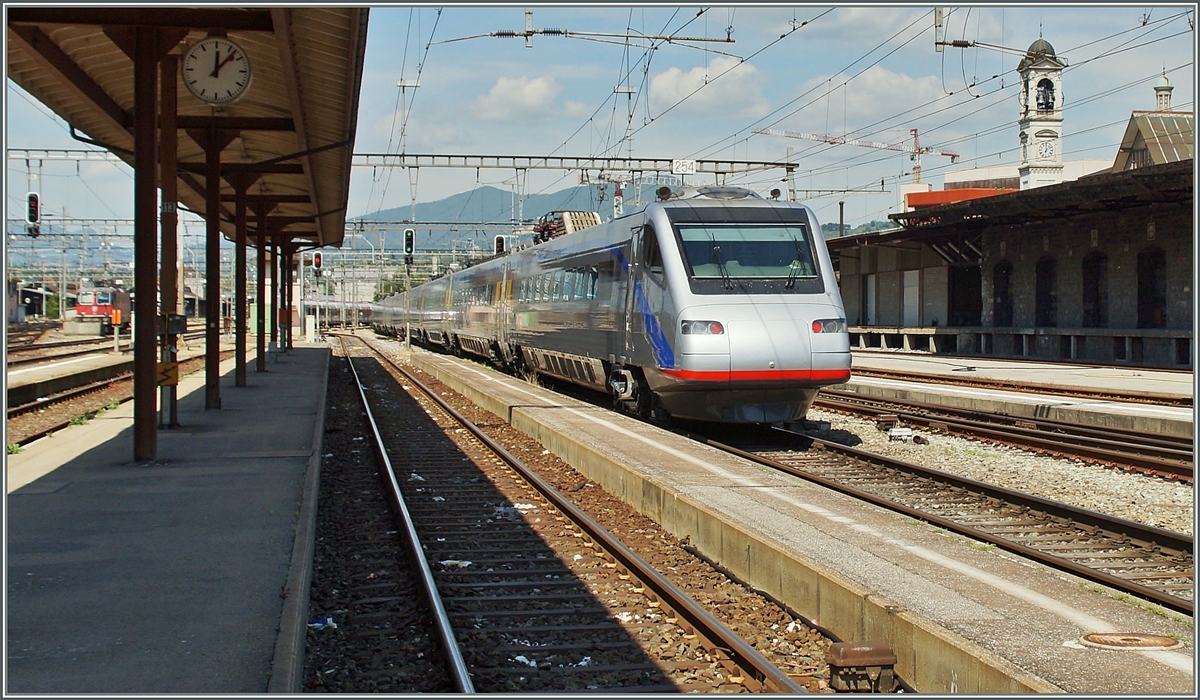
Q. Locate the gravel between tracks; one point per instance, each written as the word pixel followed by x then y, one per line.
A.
pixel 1146 499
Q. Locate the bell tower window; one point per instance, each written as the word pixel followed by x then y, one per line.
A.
pixel 1045 95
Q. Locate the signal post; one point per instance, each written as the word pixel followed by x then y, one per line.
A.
pixel 409 246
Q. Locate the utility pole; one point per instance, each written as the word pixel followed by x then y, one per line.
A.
pixel 62 290
pixel 791 176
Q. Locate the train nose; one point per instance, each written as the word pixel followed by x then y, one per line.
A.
pixel 776 342
pixel 765 345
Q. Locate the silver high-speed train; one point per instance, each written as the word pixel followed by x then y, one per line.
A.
pixel 713 304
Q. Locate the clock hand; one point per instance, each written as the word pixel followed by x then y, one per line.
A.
pixel 222 64
pixel 216 63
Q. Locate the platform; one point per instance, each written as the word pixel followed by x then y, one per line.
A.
pixel 961 616
pixel 167 577
pixel 1040 400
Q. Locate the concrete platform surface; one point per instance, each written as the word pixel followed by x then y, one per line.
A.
pixel 162 577
pixel 963 617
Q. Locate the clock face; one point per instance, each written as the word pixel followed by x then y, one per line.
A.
pixel 1046 149
pixel 216 71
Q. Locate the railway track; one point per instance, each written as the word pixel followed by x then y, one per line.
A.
pixel 530 593
pixel 84 403
pixel 1143 561
pixel 1161 455
pixel 19 334
pixel 64 349
pixel 1023 386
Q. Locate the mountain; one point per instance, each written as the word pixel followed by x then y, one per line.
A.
pixel 483 204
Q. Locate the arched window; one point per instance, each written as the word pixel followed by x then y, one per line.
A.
pixel 1095 291
pixel 1152 288
pixel 1002 303
pixel 1046 293
pixel 1045 95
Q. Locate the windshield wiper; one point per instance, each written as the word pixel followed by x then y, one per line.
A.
pixel 794 268
pixel 725 281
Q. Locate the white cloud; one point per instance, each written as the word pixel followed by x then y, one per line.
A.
pixel 875 94
pixel 737 93
pixel 519 99
pixel 575 109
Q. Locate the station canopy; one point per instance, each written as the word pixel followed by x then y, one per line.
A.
pixel 291 136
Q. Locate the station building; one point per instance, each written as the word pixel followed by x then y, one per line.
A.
pixel 1094 269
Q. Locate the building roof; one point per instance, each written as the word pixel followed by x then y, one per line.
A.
pixel 1166 137
pixel 952 229
pixel 294 129
pixel 1163 184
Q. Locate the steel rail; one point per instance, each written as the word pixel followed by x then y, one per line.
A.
pixel 1001 385
pixel 101 345
pixel 703 623
pixel 1166 442
pixel 457 664
pixel 81 390
pixel 1145 533
pixel 67 395
pixel 1171 460
pixel 125 347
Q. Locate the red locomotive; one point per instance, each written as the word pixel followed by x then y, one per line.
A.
pixel 107 305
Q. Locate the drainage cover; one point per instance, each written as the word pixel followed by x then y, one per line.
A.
pixel 1129 640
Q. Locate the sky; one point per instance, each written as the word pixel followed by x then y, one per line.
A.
pixel 865 72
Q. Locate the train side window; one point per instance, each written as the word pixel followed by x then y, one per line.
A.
pixel 568 285
pixel 593 281
pixel 651 253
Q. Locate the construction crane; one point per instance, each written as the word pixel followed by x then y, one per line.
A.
pixel 915 149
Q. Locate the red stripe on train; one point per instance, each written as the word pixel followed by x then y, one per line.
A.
pixel 760 375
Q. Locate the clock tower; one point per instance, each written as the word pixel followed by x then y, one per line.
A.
pixel 1041 116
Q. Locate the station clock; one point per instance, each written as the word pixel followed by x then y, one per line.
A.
pixel 216 70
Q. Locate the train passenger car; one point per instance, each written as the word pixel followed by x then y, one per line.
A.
pixel 713 304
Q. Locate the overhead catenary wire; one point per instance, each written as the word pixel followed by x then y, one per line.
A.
pixel 1103 54
pixel 911 110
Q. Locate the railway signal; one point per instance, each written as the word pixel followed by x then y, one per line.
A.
pixel 33 208
pixel 33 214
pixel 499 244
pixel 409 245
pixel 316 264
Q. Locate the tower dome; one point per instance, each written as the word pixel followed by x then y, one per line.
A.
pixel 1162 94
pixel 1041 47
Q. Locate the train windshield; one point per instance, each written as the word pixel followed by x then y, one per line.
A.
pixel 103 297
pixel 85 298
pixel 745 250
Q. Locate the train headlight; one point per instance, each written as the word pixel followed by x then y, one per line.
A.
pixel 701 328
pixel 829 325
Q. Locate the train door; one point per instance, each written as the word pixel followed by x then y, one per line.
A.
pixel 448 311
pixel 632 316
pixel 501 305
